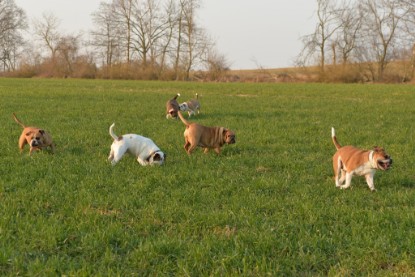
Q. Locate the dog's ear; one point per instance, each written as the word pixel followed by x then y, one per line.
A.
pixel 42 132
pixel 28 133
pixel 378 149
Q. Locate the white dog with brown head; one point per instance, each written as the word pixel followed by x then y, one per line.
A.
pixel 144 149
pixel 192 106
pixel 349 161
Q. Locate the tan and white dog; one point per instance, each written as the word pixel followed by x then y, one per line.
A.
pixel 192 106
pixel 205 137
pixel 144 149
pixel 172 107
pixel 37 138
pixel 349 161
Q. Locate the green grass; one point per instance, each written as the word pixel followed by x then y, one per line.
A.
pixel 266 206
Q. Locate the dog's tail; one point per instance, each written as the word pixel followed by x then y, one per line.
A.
pixel 111 131
pixel 182 119
pixel 334 138
pixel 18 121
pixel 177 95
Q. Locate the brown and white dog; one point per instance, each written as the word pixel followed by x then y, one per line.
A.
pixel 205 137
pixel 192 106
pixel 143 149
pixel 349 161
pixel 37 138
pixel 172 107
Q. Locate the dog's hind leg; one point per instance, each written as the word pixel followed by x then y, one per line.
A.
pixel 342 178
pixel 191 148
pixel 116 154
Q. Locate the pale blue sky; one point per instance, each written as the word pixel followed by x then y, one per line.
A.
pixel 251 34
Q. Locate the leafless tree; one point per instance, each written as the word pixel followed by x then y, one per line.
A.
pixel 123 16
pixel 217 64
pixel 12 23
pixel 67 53
pixel 148 29
pixel 47 32
pixel 351 19
pixel 383 30
pixel 105 35
pixel 165 46
pixel 195 43
pixel 317 42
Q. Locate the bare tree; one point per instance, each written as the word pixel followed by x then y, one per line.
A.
pixel 12 23
pixel 105 36
pixel 217 64
pixel 46 31
pixel 383 25
pixel 67 53
pixel 195 43
pixel 123 13
pixel 317 42
pixel 165 46
pixel 148 29
pixel 351 19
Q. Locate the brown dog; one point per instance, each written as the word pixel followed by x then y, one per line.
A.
pixel 206 137
pixel 349 161
pixel 172 107
pixel 37 139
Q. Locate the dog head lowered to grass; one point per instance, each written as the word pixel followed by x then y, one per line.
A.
pixel 192 106
pixel 38 139
pixel 349 161
pixel 144 149
pixel 172 107
pixel 205 137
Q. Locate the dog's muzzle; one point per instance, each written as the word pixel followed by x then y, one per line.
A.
pixel 157 157
pixel 231 140
pixel 35 143
pixel 385 164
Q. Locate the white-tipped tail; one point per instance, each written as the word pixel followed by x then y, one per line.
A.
pixel 111 131
pixel 334 139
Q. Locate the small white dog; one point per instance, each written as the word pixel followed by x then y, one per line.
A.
pixel 192 106
pixel 143 148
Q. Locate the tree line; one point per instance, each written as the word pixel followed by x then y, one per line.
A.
pixel 363 40
pixel 353 41
pixel 130 39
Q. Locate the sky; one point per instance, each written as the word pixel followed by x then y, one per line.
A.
pixel 251 34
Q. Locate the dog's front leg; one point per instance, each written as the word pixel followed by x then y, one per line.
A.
pixel 348 180
pixel 369 181
pixel 142 162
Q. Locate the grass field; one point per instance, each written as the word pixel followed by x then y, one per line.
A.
pixel 266 206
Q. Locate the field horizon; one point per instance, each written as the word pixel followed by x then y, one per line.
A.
pixel 266 205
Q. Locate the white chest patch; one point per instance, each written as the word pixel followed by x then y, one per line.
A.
pixel 363 169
